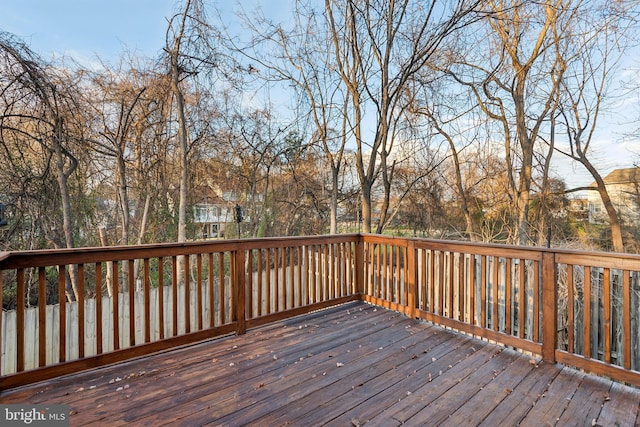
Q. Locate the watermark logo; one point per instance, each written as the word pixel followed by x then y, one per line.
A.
pixel 34 415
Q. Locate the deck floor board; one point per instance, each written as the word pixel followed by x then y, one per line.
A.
pixel 350 365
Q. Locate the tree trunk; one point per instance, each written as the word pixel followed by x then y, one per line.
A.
pixel 333 226
pixel 62 178
pixel 614 220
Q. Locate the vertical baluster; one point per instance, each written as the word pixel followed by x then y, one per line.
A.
pixel 300 288
pixel 212 294
pixel 327 277
pixel 161 297
pixel 115 304
pixel 373 270
pixel 483 291
pixel 496 296
pixel 432 281
pixel 62 299
pixel 174 295
pixel 81 312
pixel 441 267
pixel 42 317
pixel 522 290
pixel 407 283
pixel 606 289
pixel 508 284
pixel 292 286
pixel 147 301
pixel 586 321
pixel 626 318
pixel 199 301
pixel 276 279
pixel 260 272
pixel 314 273
pixel 249 295
pixel 461 288
pixel 20 319
pixel 187 294
pixel 451 285
pixel 221 275
pixel 472 289
pixel 424 269
pixel 268 277
pixel 536 301
pixel 570 310
pixel 285 285
pixel 131 287
pixel 98 308
pixel 308 261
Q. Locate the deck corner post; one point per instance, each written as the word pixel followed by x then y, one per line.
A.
pixel 360 266
pixel 549 307
pixel 239 291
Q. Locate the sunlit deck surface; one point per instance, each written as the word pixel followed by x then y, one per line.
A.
pixel 345 366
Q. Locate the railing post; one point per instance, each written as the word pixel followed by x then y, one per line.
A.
pixel 412 278
pixel 360 266
pixel 549 307
pixel 239 291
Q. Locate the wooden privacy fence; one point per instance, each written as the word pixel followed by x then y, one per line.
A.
pixel 578 308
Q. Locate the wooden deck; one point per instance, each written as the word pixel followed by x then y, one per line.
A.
pixel 345 366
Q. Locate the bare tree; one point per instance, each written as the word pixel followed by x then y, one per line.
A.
pixel 190 51
pixel 39 111
pixel 599 48
pixel 516 85
pixel 302 57
pixel 379 46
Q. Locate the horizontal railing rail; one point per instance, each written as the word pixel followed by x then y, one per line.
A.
pixel 74 309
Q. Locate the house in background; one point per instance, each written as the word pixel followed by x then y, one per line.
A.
pixel 623 186
pixel 211 218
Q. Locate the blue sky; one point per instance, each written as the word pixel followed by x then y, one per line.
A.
pixel 87 29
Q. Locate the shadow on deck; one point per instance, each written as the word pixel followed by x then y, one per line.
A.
pixel 345 366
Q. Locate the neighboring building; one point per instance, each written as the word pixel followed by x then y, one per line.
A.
pixel 213 215
pixel 623 186
pixel 211 218
pixel 579 208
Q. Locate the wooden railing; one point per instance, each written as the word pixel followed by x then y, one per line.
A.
pixel 578 308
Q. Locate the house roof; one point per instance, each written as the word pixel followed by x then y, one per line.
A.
pixel 619 176
pixel 622 176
